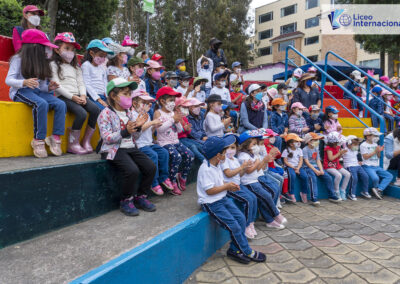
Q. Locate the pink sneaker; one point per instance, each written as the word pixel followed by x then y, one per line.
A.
pixel 303 197
pixel 157 190
pixel 181 182
pixel 54 145
pixel 249 233
pixel 293 198
pixel 176 190
pixel 168 184
pixel 280 219
pixel 38 148
pixel 275 225
pixel 253 229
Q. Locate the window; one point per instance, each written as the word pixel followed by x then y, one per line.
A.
pixel 313 58
pixel 250 46
pixel 288 28
pixel 289 10
pixel 312 22
pixel 265 17
pixel 311 40
pixel 265 51
pixel 265 34
pixel 282 45
pixel 311 4
pixel 373 63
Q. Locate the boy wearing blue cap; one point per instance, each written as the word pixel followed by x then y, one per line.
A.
pixel 180 66
pixel 237 72
pixel 212 191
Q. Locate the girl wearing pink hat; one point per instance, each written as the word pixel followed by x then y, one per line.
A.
pixel 72 91
pixel 29 78
pixel 30 20
pixel 297 122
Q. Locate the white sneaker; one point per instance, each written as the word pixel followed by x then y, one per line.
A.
pixel 275 225
pixel 360 114
pixel 278 204
pixel 397 182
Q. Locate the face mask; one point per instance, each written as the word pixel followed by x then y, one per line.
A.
pixel 237 90
pixel 49 52
pixel 68 56
pixel 314 116
pixel 389 98
pixel 299 113
pixel 334 116
pixel 297 145
pixel 124 59
pixel 156 75
pixel 185 83
pixel 315 144
pixel 238 70
pixel 170 106
pixel 272 140
pixel 230 153
pixel 182 68
pixel 354 148
pixel 173 82
pixel 263 151
pixel 309 83
pixel 139 72
pixel 255 150
pixel 222 84
pixel 259 96
pixel 184 111
pixel 125 102
pixel 294 79
pixel 34 20
pixel 99 60
pixel 196 110
pixel 282 108
pixel 375 139
pixel 206 66
pixel 217 108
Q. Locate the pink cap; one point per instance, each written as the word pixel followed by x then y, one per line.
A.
pixel 385 79
pixel 33 8
pixel 298 105
pixel 272 92
pixel 142 94
pixel 196 102
pixel 68 38
pixel 128 42
pixel 269 132
pixel 182 101
pixel 36 36
pixel 154 64
pixel 385 92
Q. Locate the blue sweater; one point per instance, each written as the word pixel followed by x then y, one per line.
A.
pixel 278 122
pixel 311 122
pixel 377 105
pixel 197 126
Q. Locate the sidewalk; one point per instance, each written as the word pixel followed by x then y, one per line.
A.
pixel 354 242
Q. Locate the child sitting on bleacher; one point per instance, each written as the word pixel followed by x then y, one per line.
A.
pixel 389 114
pixel 29 77
pixel 72 91
pixel 94 73
pixel 297 122
pixel 314 122
pixel 331 122
pixel 213 125
pixel 279 119
pixel 119 131
pixel 212 191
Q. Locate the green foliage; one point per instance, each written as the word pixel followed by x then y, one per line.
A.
pixel 10 16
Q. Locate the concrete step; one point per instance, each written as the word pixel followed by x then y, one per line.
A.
pixel 353 122
pixel 357 131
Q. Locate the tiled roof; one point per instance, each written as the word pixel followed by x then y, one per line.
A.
pixel 287 36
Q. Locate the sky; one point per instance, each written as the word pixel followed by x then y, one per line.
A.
pixel 255 4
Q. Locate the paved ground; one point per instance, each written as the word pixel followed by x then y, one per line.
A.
pixel 355 242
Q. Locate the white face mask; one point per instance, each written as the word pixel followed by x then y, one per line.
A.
pixel 49 52
pixel 315 144
pixel 299 113
pixel 238 70
pixel 185 83
pixel 221 70
pixel 272 140
pixel 196 110
pixel 334 116
pixel 184 111
pixel 230 153
pixel 34 20
pixel 173 82
pixel 282 108
pixel 255 150
pixel 375 139
pixel 222 84
pixel 263 151
pixel 170 106
pixel 297 145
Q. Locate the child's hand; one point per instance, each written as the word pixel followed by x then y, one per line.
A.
pixel 317 172
pixel 317 126
pixel 103 103
pixel 83 99
pixel 141 119
pixel 305 129
pixel 274 152
pixel 339 128
pixel 177 116
pixel 204 138
pixel 157 123
pixel 360 163
pixel 226 121
pixel 246 164
pixel 379 149
pixel 131 127
pixel 297 171
pixel 343 151
pixel 231 186
pixel 268 158
pixel 31 83
pixel 76 99
pixel 53 85
pixel 188 127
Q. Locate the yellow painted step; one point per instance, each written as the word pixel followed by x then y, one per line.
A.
pixel 353 122
pixel 354 131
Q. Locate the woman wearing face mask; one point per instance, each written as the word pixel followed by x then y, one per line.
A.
pixel 297 122
pixel 72 91
pixel 330 120
pixel 94 73
pixel 30 20
pixel 152 78
pixel 117 62
pixel 253 112
pixel 306 94
pixel 119 131
pixel 136 68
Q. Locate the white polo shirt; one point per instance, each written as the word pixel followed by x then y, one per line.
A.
pixel 248 178
pixel 366 148
pixel 231 164
pixel 208 177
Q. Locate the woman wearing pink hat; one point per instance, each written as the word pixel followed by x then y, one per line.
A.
pixel 72 91
pixel 29 78
pixel 30 20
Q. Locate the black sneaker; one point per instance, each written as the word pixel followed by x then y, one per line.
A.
pixel 287 198
pixel 365 195
pixel 376 193
pixel 257 256
pixel 238 256
pixel 335 199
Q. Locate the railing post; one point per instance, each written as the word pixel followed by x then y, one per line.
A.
pixel 323 82
pixel 286 63
pixel 367 99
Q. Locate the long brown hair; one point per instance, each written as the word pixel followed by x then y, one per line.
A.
pixel 113 61
pixel 58 60
pixel 244 147
pixel 34 63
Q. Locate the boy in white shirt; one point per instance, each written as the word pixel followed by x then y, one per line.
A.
pixel 237 72
pixel 212 191
pixel 205 66
pixel 351 163
pixel 371 152
pixel 197 91
pixel 184 80
pixel 220 88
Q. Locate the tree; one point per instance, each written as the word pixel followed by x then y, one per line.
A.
pixel 10 16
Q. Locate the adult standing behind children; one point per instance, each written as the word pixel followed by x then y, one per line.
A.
pixel 215 53
pixel 30 20
pixel 306 94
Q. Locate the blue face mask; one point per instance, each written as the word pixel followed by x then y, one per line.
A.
pixel 206 66
pixel 259 96
pixel 309 83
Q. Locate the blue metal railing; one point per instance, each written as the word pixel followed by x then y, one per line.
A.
pixel 325 76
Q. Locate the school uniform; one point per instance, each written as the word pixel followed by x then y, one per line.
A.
pixel 350 162
pixel 294 161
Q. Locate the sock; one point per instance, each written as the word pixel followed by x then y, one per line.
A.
pixel 57 137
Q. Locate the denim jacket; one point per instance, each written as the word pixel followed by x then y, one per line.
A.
pixel 278 122
pixel 377 105
pixel 111 133
pixel 197 132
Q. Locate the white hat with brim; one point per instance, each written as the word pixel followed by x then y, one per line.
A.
pixel 254 87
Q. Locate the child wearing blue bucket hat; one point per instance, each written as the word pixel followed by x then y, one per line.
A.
pixel 212 191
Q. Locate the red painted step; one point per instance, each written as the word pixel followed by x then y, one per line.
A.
pixel 4 89
pixel 344 113
pixel 332 102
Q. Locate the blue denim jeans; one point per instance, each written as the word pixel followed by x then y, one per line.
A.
pixel 249 201
pixel 195 146
pixel 391 120
pixel 303 179
pixel 160 158
pixel 379 177
pixel 41 103
pixel 358 174
pixel 273 184
pixel 103 97
pixel 313 186
pixel 266 204
pixel 229 217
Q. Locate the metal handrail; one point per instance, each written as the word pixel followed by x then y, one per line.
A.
pixel 325 76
